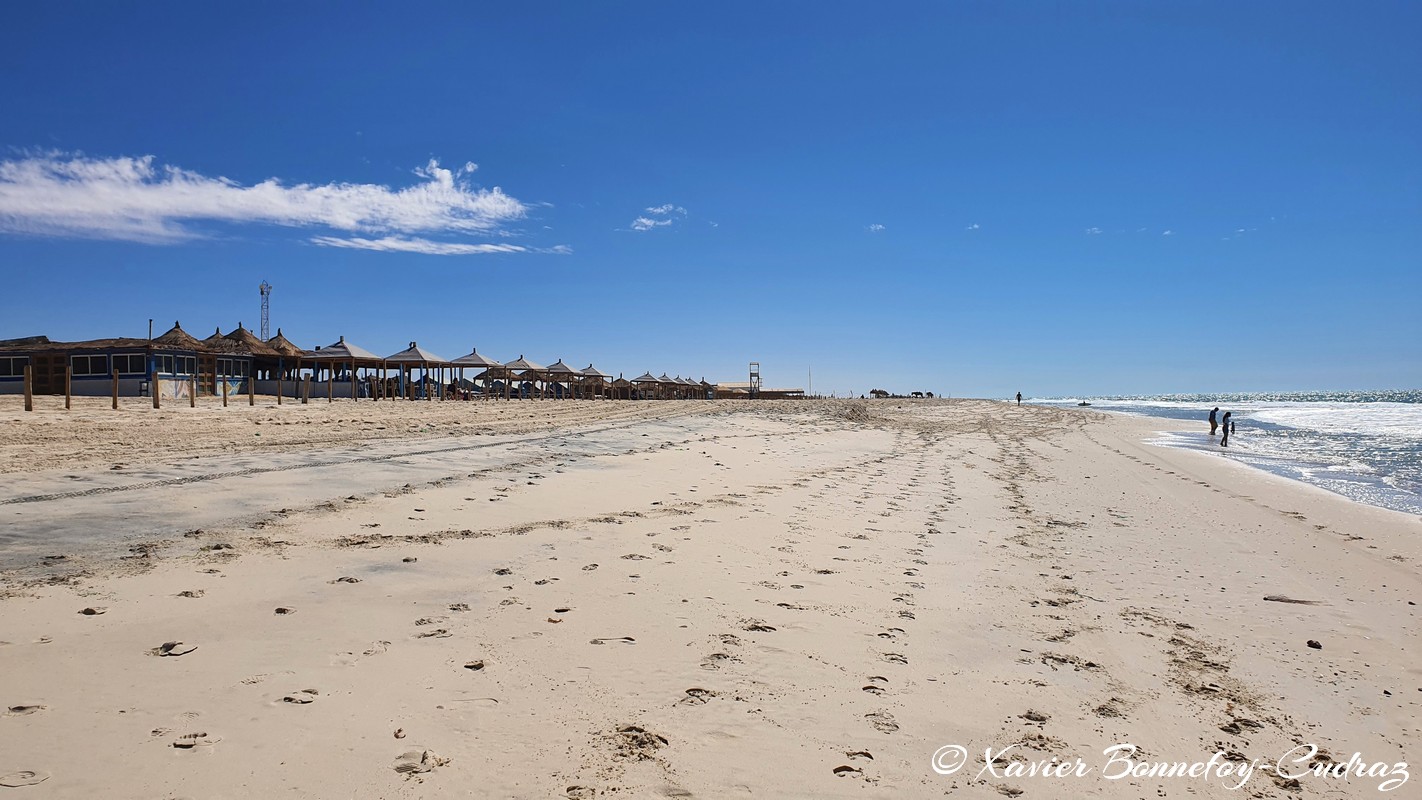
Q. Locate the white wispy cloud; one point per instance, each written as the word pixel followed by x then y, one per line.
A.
pixel 1093 231
pixel 1168 233
pixel 646 224
pixel 975 226
pixel 140 200
pixel 661 217
pixel 400 244
pixel 874 228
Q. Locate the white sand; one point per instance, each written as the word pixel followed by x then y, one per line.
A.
pixel 700 600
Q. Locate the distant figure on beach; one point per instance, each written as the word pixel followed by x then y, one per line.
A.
pixel 1019 398
pixel 1231 427
pixel 1226 426
pixel 1214 423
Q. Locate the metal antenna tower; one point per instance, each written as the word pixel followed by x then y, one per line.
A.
pixel 266 290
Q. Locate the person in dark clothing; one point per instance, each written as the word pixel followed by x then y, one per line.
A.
pixel 1214 424
pixel 1019 398
pixel 1225 426
pixel 1231 427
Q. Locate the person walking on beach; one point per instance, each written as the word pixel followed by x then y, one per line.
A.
pixel 1019 398
pixel 1213 422
pixel 1225 426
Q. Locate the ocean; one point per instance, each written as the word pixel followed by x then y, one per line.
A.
pixel 1366 446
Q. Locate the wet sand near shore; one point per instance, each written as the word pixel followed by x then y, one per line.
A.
pixel 681 599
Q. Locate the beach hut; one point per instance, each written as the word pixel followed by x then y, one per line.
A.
pixel 595 382
pixel 415 356
pixel 339 356
pixel 708 390
pixel 90 364
pixel 529 376
pixel 266 360
pixel 486 368
pixel 561 374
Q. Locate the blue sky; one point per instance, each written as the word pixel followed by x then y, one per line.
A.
pixel 966 198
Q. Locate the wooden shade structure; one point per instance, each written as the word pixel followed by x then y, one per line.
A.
pixel 527 371
pixel 415 356
pixel 341 354
pixel 595 382
pixel 484 367
pixel 647 383
pixel 558 373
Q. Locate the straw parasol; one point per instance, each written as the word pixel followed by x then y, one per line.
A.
pixel 530 371
pixel 488 367
pixel 646 380
pixel 559 371
pixel 340 354
pixel 595 379
pixel 416 356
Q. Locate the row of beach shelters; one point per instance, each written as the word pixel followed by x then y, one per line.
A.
pixel 172 364
pixel 177 363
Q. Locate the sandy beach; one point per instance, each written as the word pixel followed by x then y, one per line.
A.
pixel 680 599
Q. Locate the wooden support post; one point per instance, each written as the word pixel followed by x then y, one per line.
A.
pixel 68 376
pixel 224 393
pixel 306 393
pixel 29 389
pixel 153 388
pixel 251 388
pixel 353 382
pixel 192 392
pixel 278 388
pixel 330 379
pixel 116 390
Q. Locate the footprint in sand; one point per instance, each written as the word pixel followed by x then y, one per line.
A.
pixel 872 689
pixel 882 721
pixel 283 610
pixel 580 792
pixel 173 649
pixel 416 762
pixel 895 658
pixel 589 568
pixel 302 697
pixel 93 611
pixel 193 741
pixel 846 771
pixel 618 639
pixel 345 579
pixel 437 633
pixel 23 777
pixel 458 606
pixel 715 660
pixel 24 709
pixel 191 593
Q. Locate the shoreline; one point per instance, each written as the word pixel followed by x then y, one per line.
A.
pixel 1253 460
pixel 800 600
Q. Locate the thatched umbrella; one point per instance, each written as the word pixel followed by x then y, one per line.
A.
pixel 647 381
pixel 415 355
pixel 622 388
pixel 488 366
pixel 559 371
pixel 595 379
pixel 529 371
pixel 668 385
pixel 342 353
